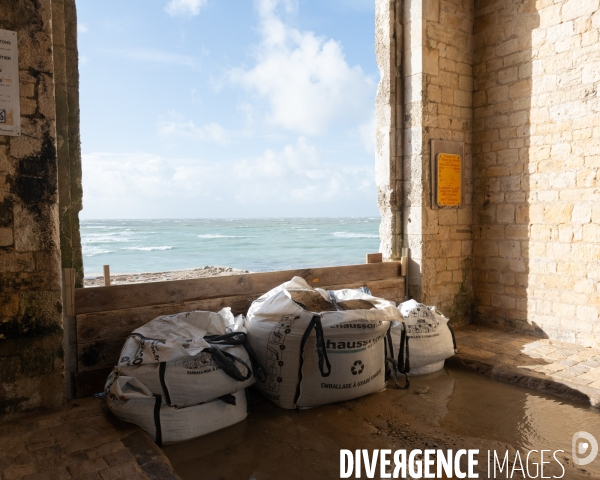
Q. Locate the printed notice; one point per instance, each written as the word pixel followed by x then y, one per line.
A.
pixel 449 180
pixel 10 112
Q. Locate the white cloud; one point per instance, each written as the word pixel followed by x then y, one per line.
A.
pixel 82 28
pixel 83 59
pixel 304 79
pixel 366 132
pixel 291 182
pixel 177 126
pixel 187 8
pixel 152 56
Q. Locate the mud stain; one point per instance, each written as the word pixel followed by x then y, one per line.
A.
pixel 451 409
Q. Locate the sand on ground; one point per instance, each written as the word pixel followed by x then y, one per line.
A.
pixel 188 274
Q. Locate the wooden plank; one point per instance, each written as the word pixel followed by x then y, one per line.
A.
pixel 88 383
pixel 102 335
pixel 374 258
pixel 69 291
pixel 69 330
pixel 97 355
pixel 93 327
pixel 101 299
pixel 118 323
pixel 107 275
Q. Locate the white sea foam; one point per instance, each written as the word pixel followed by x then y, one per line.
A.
pixel 217 235
pixel 90 251
pixel 149 249
pixel 354 235
pixel 105 237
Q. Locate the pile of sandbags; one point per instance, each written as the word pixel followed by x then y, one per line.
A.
pixel 422 340
pixel 181 376
pixel 320 346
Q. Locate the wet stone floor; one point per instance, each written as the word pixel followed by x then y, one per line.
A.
pixel 451 409
pixel 564 369
pixel 81 442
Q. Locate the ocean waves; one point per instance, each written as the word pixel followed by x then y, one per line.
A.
pixel 354 235
pixel 217 235
pixel 257 245
pixel 149 249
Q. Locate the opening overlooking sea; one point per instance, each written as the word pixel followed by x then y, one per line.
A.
pixel 257 245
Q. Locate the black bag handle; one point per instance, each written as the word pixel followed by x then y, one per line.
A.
pixel 228 339
pixel 157 406
pixel 402 365
pixel 240 338
pixel 321 350
pixel 315 323
pixel 453 336
pixel 226 361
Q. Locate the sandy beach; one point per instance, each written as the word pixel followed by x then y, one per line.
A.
pixel 120 279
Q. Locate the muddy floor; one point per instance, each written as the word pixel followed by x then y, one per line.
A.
pixel 451 409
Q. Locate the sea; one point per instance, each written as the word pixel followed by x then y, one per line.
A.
pixel 256 245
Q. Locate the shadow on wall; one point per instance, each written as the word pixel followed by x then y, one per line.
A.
pixel 537 217
pixel 502 137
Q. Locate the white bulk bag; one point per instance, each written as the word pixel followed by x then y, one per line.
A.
pixel 132 401
pixel 190 357
pixel 430 339
pixel 312 356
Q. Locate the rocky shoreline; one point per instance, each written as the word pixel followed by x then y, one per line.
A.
pixel 125 278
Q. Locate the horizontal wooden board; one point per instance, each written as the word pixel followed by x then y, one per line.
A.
pixel 88 383
pixel 93 327
pixel 102 299
pixel 101 335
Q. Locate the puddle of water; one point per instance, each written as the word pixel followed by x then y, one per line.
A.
pixel 455 410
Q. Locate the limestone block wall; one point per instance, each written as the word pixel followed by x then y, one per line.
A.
pixel 31 332
pixel 536 259
pixel 438 85
pixel 66 87
pixel 388 135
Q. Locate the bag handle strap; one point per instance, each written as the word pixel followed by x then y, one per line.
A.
pixel 240 338
pixel 453 336
pixel 226 361
pixel 321 350
pixel 393 364
pixel 315 323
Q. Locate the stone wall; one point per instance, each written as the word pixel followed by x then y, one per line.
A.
pixel 537 153
pixel 516 81
pixel 31 332
pixel 66 81
pixel 430 98
pixel 388 135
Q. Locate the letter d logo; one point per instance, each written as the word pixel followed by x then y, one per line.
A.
pixel 588 446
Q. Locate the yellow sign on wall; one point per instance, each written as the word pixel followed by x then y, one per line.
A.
pixel 449 181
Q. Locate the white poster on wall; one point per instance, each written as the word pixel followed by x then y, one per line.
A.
pixel 10 111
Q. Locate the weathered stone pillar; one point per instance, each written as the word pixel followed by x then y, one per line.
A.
pixel 425 53
pixel 31 351
pixel 388 140
pixel 64 34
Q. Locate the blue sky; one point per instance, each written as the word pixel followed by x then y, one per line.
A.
pixel 227 108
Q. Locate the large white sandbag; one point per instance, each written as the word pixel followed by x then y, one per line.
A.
pixel 319 347
pixel 132 401
pixel 190 358
pixel 430 338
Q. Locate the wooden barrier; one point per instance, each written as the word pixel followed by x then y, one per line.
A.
pixel 105 316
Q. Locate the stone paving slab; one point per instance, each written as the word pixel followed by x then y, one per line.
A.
pixel 563 369
pixel 82 441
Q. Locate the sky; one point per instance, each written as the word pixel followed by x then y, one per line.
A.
pixel 227 108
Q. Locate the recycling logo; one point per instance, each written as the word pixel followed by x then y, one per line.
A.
pixel 357 368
